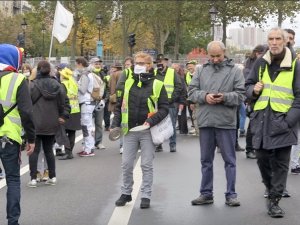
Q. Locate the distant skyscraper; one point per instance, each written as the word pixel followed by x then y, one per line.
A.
pixel 10 8
pixel 247 38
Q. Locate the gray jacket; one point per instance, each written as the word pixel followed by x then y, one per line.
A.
pixel 271 129
pixel 224 78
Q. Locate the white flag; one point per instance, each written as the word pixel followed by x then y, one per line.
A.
pixel 63 22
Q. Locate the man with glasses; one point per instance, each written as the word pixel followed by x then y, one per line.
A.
pixel 136 105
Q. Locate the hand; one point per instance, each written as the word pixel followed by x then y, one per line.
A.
pixel 258 88
pixel 180 107
pixel 147 124
pixel 192 107
pixel 30 148
pixel 210 99
pixel 61 120
pixel 220 98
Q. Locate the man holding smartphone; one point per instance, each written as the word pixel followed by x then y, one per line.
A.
pixel 218 88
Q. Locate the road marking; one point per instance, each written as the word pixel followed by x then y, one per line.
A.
pixel 25 168
pixel 121 215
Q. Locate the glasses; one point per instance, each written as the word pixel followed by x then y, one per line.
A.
pixel 141 63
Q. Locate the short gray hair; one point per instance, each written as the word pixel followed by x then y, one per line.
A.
pixel 283 33
pixel 219 43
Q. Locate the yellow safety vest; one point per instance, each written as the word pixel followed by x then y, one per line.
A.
pixel 279 92
pixel 153 99
pixel 188 78
pixel 12 126
pixel 169 81
pixel 72 93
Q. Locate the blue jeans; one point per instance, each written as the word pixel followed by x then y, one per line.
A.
pixel 10 157
pixel 242 116
pixel 173 114
pixel 225 138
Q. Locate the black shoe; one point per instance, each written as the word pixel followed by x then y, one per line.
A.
pixel 203 200
pixel 67 156
pixel 159 148
pixel 238 148
pixel 285 194
pixel 250 155
pixel 173 149
pixel 266 194
pixel 274 210
pixel 145 203
pixel 123 200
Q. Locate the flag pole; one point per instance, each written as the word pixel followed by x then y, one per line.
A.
pixel 51 43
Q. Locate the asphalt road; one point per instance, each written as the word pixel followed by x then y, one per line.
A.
pixel 88 188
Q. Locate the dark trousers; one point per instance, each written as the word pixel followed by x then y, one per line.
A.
pixel 47 142
pixel 274 167
pixel 71 134
pixel 106 116
pixel 10 157
pixel 182 122
pixel 249 147
pixel 209 138
pixel 191 114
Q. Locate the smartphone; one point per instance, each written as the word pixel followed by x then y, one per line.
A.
pixel 217 95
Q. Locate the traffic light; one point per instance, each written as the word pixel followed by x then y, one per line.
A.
pixel 131 40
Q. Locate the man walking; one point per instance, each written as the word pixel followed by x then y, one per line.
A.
pixel 218 88
pixel 14 92
pixel 274 86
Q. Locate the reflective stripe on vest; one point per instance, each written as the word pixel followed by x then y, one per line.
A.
pixel 168 81
pixel 153 99
pixel 12 126
pixel 72 93
pixel 279 93
pixel 188 78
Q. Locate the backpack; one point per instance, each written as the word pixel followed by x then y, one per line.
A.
pixel 98 88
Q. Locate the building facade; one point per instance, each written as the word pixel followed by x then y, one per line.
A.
pixel 10 8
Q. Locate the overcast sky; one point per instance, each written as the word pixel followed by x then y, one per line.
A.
pixel 273 23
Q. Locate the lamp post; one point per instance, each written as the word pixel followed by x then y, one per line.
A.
pixel 213 14
pixel 43 32
pixel 99 21
pixel 99 49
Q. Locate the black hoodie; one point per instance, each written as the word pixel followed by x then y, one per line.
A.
pixel 48 97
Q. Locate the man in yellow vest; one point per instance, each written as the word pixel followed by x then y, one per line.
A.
pixel 274 86
pixel 173 87
pixel 16 102
pixel 140 93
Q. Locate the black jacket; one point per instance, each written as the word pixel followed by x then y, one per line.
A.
pixel 49 99
pixel 271 129
pixel 178 95
pixel 138 108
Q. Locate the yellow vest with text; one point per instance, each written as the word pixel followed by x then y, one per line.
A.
pixel 169 81
pixel 153 99
pixel 12 126
pixel 279 92
pixel 72 93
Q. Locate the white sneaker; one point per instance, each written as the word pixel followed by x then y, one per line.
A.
pixel 32 183
pixel 139 150
pixel 100 146
pixel 51 181
pixel 121 150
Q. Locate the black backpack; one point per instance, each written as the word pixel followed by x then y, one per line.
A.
pixel 2 113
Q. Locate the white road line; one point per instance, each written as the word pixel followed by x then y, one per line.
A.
pixel 121 215
pixel 25 168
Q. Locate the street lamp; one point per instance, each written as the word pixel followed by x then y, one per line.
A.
pixel 24 26
pixel 99 42
pixel 99 21
pixel 213 14
pixel 43 32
